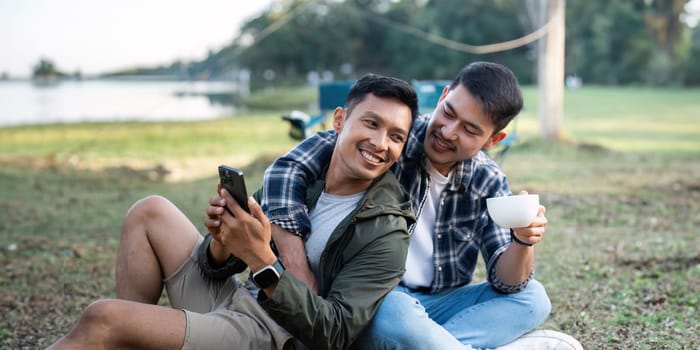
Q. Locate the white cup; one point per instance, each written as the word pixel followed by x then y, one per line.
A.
pixel 513 211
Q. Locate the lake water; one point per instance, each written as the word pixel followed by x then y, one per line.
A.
pixel 25 102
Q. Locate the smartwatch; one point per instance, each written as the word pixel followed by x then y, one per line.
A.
pixel 268 275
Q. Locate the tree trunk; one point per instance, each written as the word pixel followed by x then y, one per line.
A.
pixel 551 72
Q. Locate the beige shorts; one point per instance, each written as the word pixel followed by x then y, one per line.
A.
pixel 221 315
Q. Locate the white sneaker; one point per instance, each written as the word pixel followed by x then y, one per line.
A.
pixel 543 339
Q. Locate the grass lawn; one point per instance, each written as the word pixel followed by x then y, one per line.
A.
pixel 621 259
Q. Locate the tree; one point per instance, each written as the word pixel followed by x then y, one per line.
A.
pixel 551 71
pixel 607 41
pixel 321 36
pixel 45 70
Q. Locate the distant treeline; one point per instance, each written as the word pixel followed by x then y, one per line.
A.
pixel 611 42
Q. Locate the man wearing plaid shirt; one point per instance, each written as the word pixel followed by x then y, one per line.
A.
pixel 449 177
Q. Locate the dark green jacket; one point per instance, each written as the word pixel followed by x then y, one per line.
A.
pixel 363 260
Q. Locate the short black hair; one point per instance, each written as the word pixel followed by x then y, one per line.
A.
pixel 385 87
pixel 496 87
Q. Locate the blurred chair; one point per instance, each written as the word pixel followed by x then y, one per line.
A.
pixel 428 92
pixel 330 96
pixel 500 151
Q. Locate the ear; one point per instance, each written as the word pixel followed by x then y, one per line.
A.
pixel 495 139
pixel 338 119
pixel 445 90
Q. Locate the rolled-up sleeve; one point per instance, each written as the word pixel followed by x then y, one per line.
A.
pixel 285 181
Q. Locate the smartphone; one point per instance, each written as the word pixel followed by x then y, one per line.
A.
pixel 232 180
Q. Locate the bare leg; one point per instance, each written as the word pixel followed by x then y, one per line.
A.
pixel 121 324
pixel 156 239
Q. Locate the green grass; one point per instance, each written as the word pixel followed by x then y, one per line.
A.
pixel 621 258
pixel 244 137
pixel 659 121
pixel 283 98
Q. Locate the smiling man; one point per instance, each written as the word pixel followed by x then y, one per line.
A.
pixel 357 248
pixel 449 177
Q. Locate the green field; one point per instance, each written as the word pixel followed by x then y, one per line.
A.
pixel 621 259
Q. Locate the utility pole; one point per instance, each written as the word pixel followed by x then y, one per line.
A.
pixel 550 71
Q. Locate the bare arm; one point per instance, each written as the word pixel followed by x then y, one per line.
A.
pixel 293 254
pixel 515 265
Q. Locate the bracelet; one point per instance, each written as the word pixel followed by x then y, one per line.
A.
pixel 516 240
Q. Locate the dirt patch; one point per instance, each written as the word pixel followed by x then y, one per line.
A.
pixel 665 264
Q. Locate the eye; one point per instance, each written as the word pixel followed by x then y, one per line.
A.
pixel 398 138
pixel 447 113
pixel 471 131
pixel 370 123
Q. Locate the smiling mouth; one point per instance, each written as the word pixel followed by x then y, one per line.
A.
pixel 371 157
pixel 441 144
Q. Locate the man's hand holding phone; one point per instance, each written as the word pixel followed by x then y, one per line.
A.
pixel 247 235
pixel 232 180
pixel 237 223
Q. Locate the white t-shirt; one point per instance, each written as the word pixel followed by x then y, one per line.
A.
pixel 329 211
pixel 420 263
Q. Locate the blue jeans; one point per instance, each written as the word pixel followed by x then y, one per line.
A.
pixel 473 315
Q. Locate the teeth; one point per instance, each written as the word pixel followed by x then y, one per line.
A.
pixel 441 143
pixel 370 157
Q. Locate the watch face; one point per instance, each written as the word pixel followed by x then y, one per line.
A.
pixel 268 275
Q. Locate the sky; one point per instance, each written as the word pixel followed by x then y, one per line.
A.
pixel 96 36
pixel 692 8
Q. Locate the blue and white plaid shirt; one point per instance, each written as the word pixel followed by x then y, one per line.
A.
pixel 463 227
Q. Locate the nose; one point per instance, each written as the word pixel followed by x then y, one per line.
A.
pixel 380 140
pixel 449 130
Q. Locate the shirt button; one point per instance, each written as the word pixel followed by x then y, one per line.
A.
pixel 439 268
pixel 439 236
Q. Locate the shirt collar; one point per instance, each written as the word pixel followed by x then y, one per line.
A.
pixel 414 147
